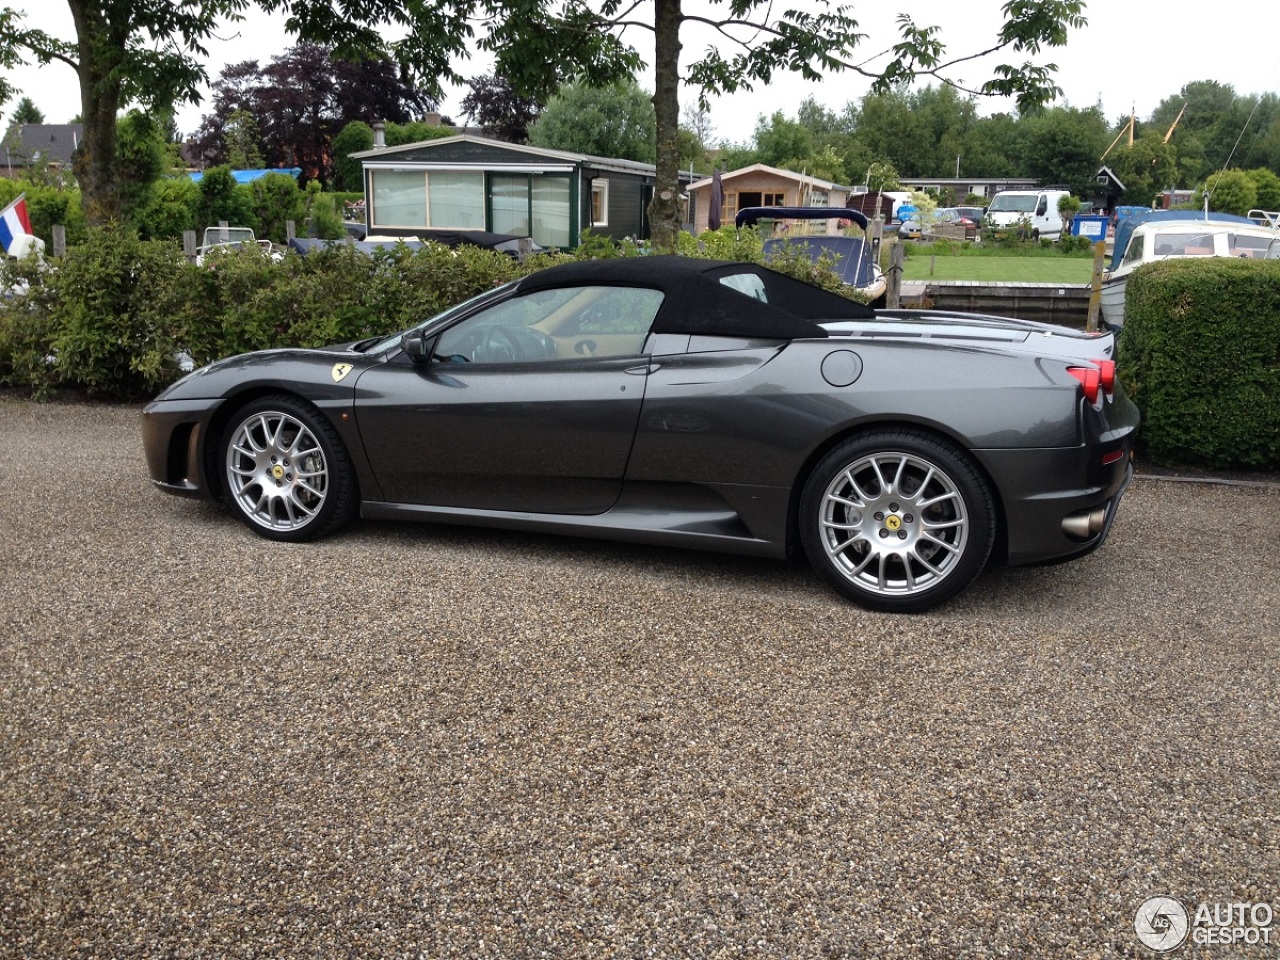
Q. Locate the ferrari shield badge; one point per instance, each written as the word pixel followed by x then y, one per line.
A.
pixel 340 370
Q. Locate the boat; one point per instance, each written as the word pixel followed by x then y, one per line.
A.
pixel 1154 235
pixel 855 257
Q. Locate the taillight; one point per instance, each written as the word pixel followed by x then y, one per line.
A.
pixel 1090 379
pixel 1107 369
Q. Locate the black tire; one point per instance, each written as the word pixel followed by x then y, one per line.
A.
pixel 285 472
pixel 897 520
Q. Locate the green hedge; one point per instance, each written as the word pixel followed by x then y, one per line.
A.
pixel 112 316
pixel 1200 355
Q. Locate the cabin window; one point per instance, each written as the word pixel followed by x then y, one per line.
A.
pixel 599 203
pixel 399 198
pixel 758 199
pixel 1253 247
pixel 1134 253
pixel 455 200
pixel 411 198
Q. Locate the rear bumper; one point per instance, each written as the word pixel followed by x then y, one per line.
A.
pixel 1036 502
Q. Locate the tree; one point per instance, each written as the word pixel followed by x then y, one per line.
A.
pixel 141 157
pixel 783 143
pixel 1062 145
pixel 148 51
pixel 1145 169
pixel 27 112
pixel 613 121
pixel 355 137
pixel 500 112
pixel 286 113
pixel 1267 185
pixel 1232 191
pixel 243 150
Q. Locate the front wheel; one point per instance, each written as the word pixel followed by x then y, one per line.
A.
pixel 285 471
pixel 897 520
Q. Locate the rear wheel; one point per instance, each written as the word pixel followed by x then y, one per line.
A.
pixel 285 471
pixel 897 520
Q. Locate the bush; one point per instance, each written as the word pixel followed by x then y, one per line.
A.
pixel 276 200
pixel 1199 357
pixel 115 313
pixel 113 297
pixel 171 206
pixel 221 198
pixel 27 326
pixel 47 206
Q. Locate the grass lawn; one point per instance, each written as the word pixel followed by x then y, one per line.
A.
pixel 1059 269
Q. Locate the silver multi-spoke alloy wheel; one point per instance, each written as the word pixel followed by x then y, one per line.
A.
pixel 897 520
pixel 276 471
pixel 285 470
pixel 894 523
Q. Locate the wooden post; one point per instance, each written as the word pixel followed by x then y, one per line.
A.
pixel 224 234
pixel 893 297
pixel 1095 294
pixel 933 263
pixel 59 240
pixel 290 231
pixel 189 244
pixel 524 248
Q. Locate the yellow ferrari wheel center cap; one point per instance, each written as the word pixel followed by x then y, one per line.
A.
pixel 893 522
pixel 278 472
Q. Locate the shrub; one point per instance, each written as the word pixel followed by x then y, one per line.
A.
pixel 221 198
pixel 113 298
pixel 171 206
pixel 276 200
pixel 47 206
pixel 27 326
pixel 1199 357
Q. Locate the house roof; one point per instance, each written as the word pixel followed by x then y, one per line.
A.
pixel 765 168
pixel 1110 175
pixel 584 159
pixel 54 142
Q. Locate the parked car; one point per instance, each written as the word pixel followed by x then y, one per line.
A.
pixel 952 223
pixel 680 402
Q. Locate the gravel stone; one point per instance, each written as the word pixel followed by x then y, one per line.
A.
pixel 431 742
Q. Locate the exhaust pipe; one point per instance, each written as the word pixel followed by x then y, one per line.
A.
pixel 1085 524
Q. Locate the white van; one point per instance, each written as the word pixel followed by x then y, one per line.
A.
pixel 1040 207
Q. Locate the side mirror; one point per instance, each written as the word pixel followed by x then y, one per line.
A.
pixel 1042 207
pixel 417 346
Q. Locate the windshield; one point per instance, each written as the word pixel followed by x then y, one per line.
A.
pixel 387 343
pixel 1013 203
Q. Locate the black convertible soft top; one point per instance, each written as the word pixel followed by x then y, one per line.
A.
pixel 703 297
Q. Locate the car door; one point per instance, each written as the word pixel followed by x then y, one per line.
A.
pixel 528 405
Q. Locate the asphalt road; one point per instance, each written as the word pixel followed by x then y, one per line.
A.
pixel 422 741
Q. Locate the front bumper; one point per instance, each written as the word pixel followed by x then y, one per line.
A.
pixel 172 437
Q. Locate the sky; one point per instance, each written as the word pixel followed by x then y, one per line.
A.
pixel 1132 55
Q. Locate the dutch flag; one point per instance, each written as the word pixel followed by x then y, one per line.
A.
pixel 14 222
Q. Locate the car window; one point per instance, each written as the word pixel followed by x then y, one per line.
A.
pixel 567 323
pixel 748 284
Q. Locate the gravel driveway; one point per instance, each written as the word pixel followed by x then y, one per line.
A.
pixel 423 741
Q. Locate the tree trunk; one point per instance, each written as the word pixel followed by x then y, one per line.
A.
pixel 665 210
pixel 95 161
